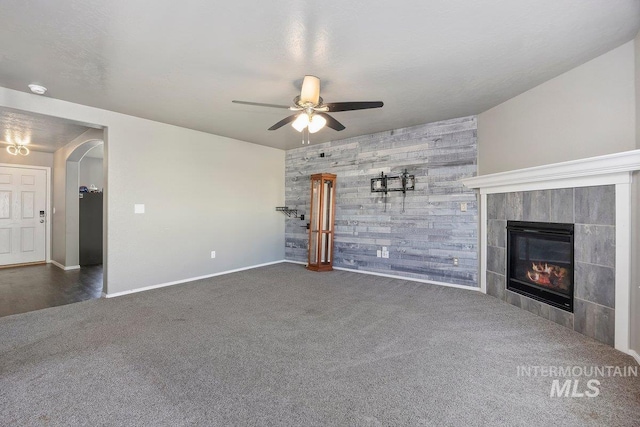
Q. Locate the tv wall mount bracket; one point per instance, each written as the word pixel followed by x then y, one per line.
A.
pixel 387 183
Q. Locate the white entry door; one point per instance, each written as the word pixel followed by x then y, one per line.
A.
pixel 23 201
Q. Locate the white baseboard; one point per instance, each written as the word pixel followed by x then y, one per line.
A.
pixel 635 355
pixel 393 276
pixel 57 264
pixel 65 268
pixel 190 279
pixel 430 282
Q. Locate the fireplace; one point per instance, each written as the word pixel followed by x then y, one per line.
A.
pixel 540 262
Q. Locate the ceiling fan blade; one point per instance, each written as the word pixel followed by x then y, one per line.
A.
pixel 350 106
pixel 284 121
pixel 331 122
pixel 260 104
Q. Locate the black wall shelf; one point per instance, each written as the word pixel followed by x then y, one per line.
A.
pixel 291 213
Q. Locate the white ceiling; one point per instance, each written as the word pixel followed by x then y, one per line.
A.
pixel 40 133
pixel 183 62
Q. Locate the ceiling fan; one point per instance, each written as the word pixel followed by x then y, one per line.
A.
pixel 312 111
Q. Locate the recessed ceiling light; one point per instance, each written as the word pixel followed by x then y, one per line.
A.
pixel 40 90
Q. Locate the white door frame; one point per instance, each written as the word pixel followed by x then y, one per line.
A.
pixel 49 217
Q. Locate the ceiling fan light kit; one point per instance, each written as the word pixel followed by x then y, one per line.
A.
pixel 301 122
pixel 310 93
pixel 316 123
pixel 311 110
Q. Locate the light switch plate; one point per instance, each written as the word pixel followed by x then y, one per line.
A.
pixel 138 208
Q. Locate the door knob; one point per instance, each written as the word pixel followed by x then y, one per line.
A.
pixel 41 221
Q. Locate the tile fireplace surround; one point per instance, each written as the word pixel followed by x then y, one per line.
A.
pixel 595 195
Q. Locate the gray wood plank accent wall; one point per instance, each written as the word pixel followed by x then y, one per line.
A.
pixel 424 239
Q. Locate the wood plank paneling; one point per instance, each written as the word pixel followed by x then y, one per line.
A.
pixel 432 230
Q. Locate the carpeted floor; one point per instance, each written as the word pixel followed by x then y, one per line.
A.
pixel 280 345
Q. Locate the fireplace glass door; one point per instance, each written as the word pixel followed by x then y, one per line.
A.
pixel 540 262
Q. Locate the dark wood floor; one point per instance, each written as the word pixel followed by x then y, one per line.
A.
pixel 24 289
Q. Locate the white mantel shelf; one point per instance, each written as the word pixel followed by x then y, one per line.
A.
pixel 601 170
pixel 612 169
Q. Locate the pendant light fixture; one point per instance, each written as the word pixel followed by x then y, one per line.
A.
pixel 15 149
pixel 17 140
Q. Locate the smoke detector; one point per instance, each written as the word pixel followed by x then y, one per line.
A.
pixel 37 89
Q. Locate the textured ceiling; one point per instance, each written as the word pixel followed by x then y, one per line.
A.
pixel 38 132
pixel 183 62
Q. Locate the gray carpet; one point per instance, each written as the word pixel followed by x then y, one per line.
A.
pixel 283 346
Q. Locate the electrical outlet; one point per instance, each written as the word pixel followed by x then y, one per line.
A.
pixel 385 252
pixel 463 207
pixel 379 253
pixel 455 262
pixel 213 254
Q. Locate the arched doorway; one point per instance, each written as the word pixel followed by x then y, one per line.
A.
pixel 66 218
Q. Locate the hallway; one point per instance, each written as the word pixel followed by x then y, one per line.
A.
pixel 30 288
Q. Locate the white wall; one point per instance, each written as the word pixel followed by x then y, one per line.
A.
pixel 635 266
pixel 636 44
pixel 91 172
pixel 214 193
pixel 35 158
pixel 585 112
pixel 635 273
